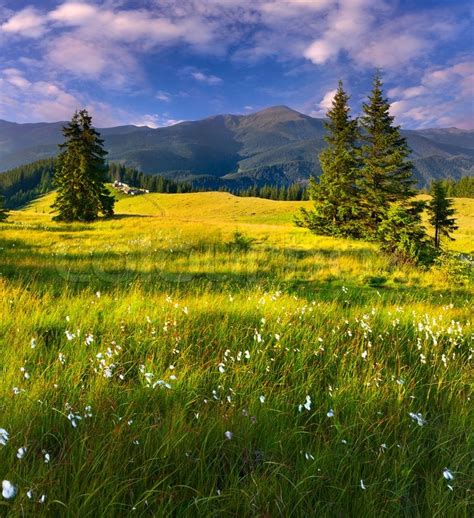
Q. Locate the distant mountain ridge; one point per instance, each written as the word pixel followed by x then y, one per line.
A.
pixel 276 145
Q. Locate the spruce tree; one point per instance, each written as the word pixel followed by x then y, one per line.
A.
pixel 441 213
pixel 386 173
pixel 336 204
pixel 3 210
pixel 81 172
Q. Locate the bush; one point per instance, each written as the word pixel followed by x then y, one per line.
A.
pixel 457 268
pixel 240 242
pixel 403 237
pixel 375 281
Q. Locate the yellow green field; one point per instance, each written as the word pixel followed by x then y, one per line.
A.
pixel 197 354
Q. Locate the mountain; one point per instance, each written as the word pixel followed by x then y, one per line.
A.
pixel 277 145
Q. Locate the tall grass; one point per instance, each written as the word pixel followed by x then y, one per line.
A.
pixel 197 358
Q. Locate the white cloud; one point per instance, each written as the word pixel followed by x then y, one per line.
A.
pixel 154 121
pixel 204 78
pixel 28 22
pixel 372 35
pixel 163 96
pixel 26 100
pixel 324 105
pixel 442 98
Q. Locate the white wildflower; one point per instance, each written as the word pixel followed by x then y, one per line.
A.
pixel 447 474
pixel 21 452
pixel 418 418
pixel 4 436
pixel 8 490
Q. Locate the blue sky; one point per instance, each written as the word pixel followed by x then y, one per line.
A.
pixel 156 62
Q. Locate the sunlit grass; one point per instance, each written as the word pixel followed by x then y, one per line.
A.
pixel 189 337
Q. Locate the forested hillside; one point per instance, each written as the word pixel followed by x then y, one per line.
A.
pixel 277 146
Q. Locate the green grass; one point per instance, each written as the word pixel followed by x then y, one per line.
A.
pixel 166 296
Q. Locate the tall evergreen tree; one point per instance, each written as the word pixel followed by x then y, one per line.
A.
pixel 441 213
pixel 3 210
pixel 386 173
pixel 81 172
pixel 336 203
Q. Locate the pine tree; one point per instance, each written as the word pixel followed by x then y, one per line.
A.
pixel 3 210
pixel 386 173
pixel 336 204
pixel 81 172
pixel 441 212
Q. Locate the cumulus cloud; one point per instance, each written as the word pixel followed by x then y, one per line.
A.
pixel 324 105
pixel 30 101
pixel 34 100
pixel 106 42
pixel 28 22
pixel 372 35
pixel 154 121
pixel 443 98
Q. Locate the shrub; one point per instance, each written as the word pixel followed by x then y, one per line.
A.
pixel 457 268
pixel 403 237
pixel 240 242
pixel 375 281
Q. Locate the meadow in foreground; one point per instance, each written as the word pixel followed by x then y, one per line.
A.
pixel 154 365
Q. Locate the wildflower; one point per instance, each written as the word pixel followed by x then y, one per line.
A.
pixel 62 358
pixel 70 336
pixel 306 404
pixel 74 418
pixel 97 294
pixel 8 490
pixel 418 418
pixel 4 436
pixel 47 457
pixel 21 452
pixel 362 485
pixel 262 399
pixel 29 494
pixel 221 368
pixel 33 343
pixel 89 339
pixel 447 474
pixel 330 413
pixel 228 435
pixel 16 391
pixel 42 499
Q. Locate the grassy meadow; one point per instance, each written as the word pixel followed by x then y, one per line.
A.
pixel 156 365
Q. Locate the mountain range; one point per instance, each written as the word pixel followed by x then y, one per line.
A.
pixel 277 145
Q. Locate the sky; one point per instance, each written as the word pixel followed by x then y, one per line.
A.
pixel 157 62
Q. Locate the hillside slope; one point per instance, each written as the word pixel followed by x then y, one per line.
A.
pixel 277 145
